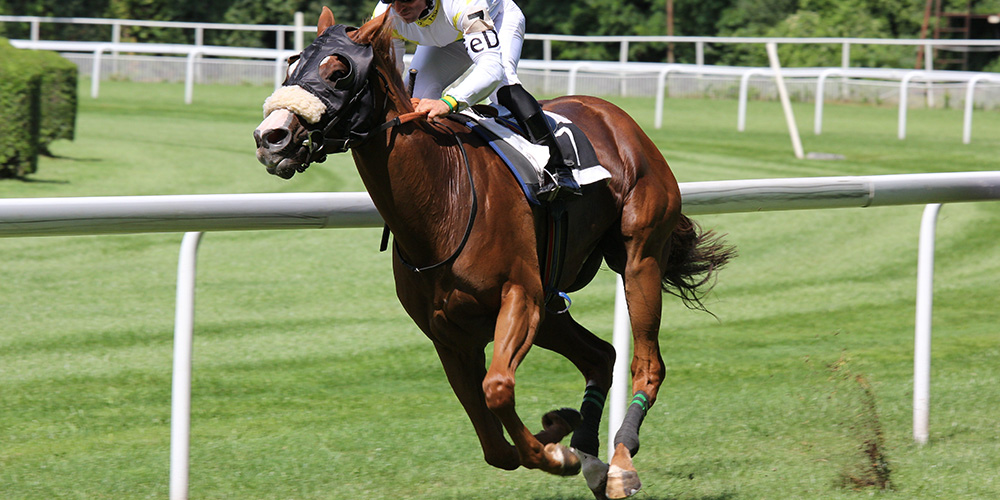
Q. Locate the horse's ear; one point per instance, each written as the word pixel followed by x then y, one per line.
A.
pixel 366 31
pixel 325 20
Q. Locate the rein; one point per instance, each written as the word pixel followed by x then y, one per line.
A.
pixel 409 117
pixel 400 119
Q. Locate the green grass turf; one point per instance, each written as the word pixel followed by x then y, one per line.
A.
pixel 311 383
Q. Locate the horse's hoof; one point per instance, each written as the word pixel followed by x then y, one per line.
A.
pixel 569 463
pixel 622 483
pixel 568 418
pixel 595 472
pixel 623 480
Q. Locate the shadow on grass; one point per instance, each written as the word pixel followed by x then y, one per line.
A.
pixel 28 180
pixel 6 174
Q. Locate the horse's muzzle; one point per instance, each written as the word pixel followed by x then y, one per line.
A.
pixel 279 141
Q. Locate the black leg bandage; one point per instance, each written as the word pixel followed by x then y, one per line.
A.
pixel 586 438
pixel 628 434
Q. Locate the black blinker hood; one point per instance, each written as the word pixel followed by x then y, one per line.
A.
pixel 349 107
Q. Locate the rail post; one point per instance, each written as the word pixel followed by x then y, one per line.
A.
pixel 621 382
pixel 180 406
pixel 922 335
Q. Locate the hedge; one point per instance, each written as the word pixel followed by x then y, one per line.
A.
pixel 20 91
pixel 58 98
pixel 38 92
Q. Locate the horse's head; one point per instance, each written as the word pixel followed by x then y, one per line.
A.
pixel 325 104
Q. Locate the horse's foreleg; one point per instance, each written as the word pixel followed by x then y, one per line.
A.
pixel 516 326
pixel 465 370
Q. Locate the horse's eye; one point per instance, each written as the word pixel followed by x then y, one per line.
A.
pixel 293 62
pixel 342 77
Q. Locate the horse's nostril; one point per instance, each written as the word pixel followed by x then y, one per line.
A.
pixel 275 137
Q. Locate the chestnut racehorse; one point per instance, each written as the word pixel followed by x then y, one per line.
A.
pixel 470 249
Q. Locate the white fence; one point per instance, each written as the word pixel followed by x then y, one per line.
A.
pixel 552 76
pixel 196 213
pixel 546 71
pixel 623 42
pixel 300 29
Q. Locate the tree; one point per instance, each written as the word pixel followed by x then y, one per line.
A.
pixel 754 18
pixel 61 31
pixel 825 18
pixel 150 10
pixel 597 17
pixel 697 18
pixel 351 12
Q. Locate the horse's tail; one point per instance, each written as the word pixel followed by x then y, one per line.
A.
pixel 694 257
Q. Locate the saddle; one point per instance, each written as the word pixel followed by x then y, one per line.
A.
pixel 525 160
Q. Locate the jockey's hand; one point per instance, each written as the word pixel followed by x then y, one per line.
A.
pixel 433 107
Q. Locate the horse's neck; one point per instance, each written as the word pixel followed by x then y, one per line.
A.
pixel 419 187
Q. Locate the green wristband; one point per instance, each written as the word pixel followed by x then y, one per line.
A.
pixel 451 102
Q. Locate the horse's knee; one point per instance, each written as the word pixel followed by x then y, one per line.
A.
pixel 499 392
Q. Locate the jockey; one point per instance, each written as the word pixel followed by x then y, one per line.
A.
pixel 451 36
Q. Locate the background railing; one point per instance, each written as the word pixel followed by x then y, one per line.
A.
pixel 283 32
pixel 555 77
pixel 200 63
pixel 257 66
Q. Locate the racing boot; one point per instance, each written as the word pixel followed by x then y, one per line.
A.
pixel 559 183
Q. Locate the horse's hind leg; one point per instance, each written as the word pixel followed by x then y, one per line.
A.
pixel 649 216
pixel 595 359
pixel 647 375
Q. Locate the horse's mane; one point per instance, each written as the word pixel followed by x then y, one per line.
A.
pixel 378 32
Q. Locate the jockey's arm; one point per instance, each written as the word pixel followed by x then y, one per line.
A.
pixel 483 47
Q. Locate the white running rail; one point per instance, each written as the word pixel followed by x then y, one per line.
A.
pixel 193 214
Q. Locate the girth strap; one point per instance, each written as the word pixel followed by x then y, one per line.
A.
pixel 554 251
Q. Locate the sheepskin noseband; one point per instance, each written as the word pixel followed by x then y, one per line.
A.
pixel 297 100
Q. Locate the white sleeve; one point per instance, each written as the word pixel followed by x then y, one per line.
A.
pixel 399 47
pixel 483 46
